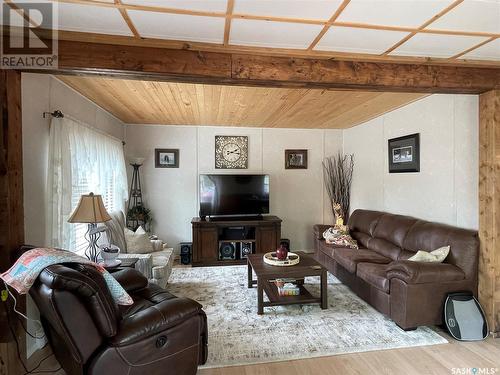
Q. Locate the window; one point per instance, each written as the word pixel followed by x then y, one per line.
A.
pixel 82 160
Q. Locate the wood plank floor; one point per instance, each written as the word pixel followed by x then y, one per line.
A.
pixel 424 360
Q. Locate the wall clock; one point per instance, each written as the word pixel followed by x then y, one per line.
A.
pixel 231 152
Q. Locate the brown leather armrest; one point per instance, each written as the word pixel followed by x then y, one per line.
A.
pixel 318 230
pixel 423 272
pixel 155 319
pixel 130 279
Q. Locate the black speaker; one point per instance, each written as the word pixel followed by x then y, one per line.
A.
pixel 285 242
pixel 227 250
pixel 186 249
pixel 246 248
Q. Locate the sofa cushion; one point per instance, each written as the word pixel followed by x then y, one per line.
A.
pixel 385 248
pixel 326 248
pixel 349 258
pixel 393 228
pixel 464 244
pixel 374 274
pixel 364 221
pixel 362 238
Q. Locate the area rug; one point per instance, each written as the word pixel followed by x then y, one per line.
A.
pixel 237 335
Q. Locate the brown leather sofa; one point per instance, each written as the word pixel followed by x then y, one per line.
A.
pixel 410 293
pixel 90 334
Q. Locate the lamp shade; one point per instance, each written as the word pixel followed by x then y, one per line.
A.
pixel 90 209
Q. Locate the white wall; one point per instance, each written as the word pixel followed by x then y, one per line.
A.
pixel 44 93
pixel 446 189
pixel 297 196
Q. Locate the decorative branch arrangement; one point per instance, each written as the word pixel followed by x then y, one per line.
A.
pixel 337 172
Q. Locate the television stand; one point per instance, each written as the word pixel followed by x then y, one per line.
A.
pixel 228 240
pixel 234 218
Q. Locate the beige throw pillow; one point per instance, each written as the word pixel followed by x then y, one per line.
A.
pixel 138 242
pixel 435 256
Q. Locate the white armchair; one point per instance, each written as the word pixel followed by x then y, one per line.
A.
pixel 156 264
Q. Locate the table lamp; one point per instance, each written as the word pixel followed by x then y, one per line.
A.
pixel 90 210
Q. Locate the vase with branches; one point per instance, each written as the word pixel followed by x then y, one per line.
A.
pixel 337 171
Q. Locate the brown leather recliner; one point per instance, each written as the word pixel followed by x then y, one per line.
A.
pixel 90 334
pixel 410 293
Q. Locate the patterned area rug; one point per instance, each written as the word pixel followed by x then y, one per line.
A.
pixel 237 335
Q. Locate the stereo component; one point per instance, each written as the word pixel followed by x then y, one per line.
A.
pixel 186 250
pixel 227 250
pixel 246 248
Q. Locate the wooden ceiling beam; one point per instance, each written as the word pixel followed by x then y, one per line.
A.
pixel 123 40
pixel 164 64
pixel 423 26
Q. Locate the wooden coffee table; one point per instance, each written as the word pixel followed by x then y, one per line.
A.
pixel 266 274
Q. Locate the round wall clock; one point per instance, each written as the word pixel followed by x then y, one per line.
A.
pixel 231 152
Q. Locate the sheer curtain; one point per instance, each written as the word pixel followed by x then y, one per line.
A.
pixel 81 160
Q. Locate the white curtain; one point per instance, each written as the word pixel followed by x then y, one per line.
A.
pixel 81 160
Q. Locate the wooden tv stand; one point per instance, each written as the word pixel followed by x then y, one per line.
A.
pixel 263 234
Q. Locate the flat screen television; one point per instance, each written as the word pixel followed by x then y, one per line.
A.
pixel 234 195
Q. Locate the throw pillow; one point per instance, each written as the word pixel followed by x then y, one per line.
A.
pixel 338 235
pixel 138 242
pixel 435 256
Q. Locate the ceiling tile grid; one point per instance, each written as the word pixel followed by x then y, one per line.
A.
pixel 272 34
pixel 348 39
pixel 490 51
pixel 306 9
pixel 387 29
pixel 178 26
pixel 472 15
pixel 410 13
pixel 432 45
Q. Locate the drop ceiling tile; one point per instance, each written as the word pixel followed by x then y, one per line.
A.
pixel 178 26
pixel 472 15
pixel 409 13
pixel 309 9
pixel 91 19
pixel 436 45
pixel 272 34
pixel 490 51
pixel 347 39
pixel 206 5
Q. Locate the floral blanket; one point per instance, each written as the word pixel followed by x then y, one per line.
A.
pixel 338 235
pixel 22 275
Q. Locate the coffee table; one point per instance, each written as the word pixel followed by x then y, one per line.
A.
pixel 266 274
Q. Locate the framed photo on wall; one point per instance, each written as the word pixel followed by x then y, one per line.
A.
pixel 166 158
pixel 404 154
pixel 295 159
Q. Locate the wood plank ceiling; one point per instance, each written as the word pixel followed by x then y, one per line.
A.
pixel 167 103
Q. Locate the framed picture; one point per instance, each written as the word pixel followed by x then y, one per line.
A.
pixel 404 154
pixel 166 158
pixel 295 159
pixel 231 152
